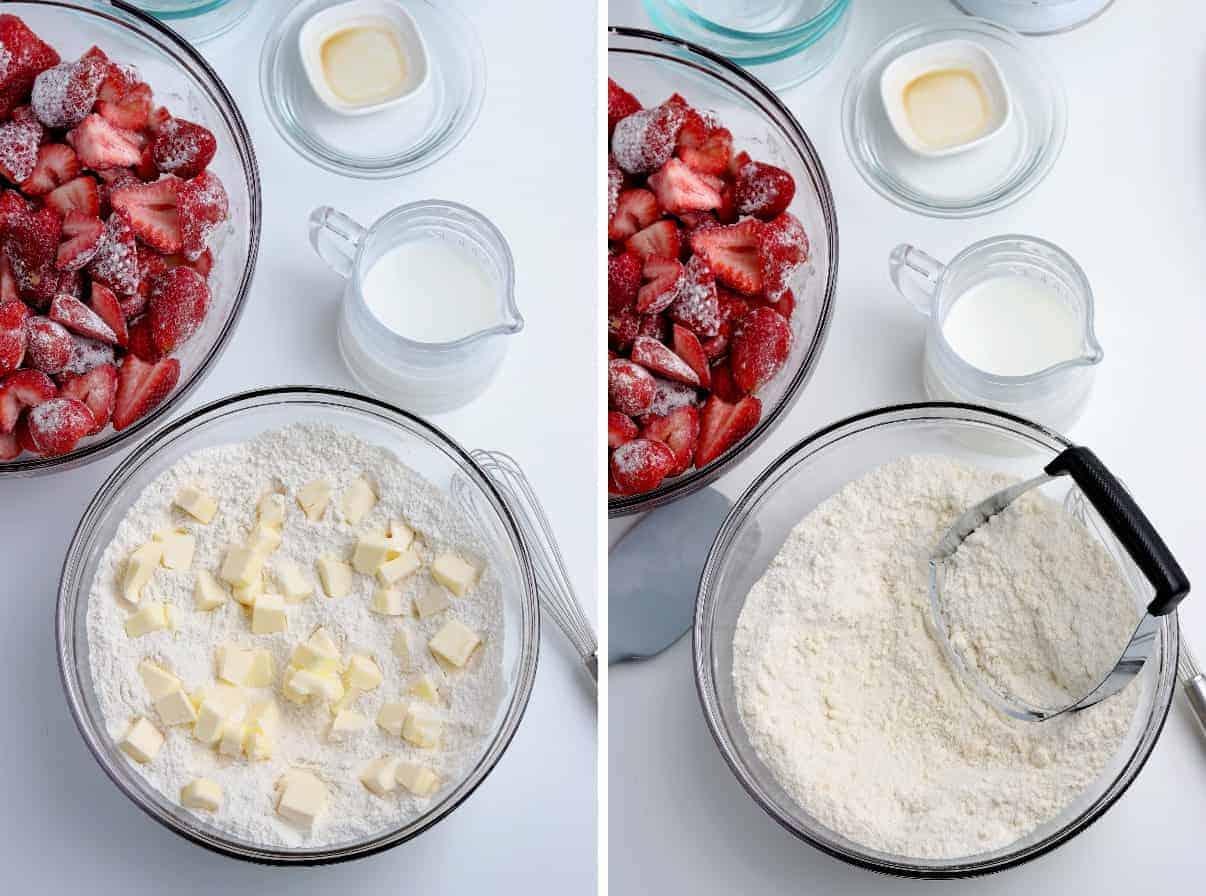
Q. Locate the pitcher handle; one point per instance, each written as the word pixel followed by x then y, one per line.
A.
pixel 336 238
pixel 915 276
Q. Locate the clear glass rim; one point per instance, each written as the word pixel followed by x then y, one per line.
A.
pixel 703 658
pixel 166 40
pixel 805 29
pixel 758 94
pixel 299 395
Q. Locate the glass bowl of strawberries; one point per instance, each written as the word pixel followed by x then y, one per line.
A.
pixel 721 266
pixel 129 228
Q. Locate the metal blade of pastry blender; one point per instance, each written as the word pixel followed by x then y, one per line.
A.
pixel 653 575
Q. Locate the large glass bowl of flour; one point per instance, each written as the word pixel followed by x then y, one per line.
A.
pixel 751 537
pixel 242 417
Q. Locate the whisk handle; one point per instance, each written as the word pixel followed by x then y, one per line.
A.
pixel 1128 523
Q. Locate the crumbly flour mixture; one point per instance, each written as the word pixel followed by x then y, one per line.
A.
pixel 850 702
pixel 236 476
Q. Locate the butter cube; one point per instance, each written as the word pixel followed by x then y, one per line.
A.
pixel 201 793
pixel 453 573
pixel 178 548
pixel 303 798
pixel 424 688
pixel 291 581
pixel 422 727
pixel 347 723
pixel 388 602
pixel 263 540
pixel 317 654
pixel 401 535
pixel 362 673
pixel 402 650
pixel 246 594
pixel 231 742
pixel 313 499
pixel 310 684
pixel 226 697
pixel 335 575
pixel 391 717
pixel 242 567
pixel 258 745
pixel 211 721
pixel 150 618
pixel 175 708
pixel 372 552
pixel 418 779
pixel 265 716
pixel 196 504
pixel 262 670
pixel 349 698
pixel 358 499
pixel 431 601
pixel 142 741
pixel 208 592
pixel 455 642
pixel 159 681
pixel 379 776
pixel 399 568
pixel 234 664
pixel 271 510
pixel 139 567
pixel 268 615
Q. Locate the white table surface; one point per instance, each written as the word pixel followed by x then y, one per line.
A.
pixel 1128 200
pixel 531 827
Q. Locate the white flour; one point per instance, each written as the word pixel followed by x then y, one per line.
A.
pixel 849 701
pixel 235 476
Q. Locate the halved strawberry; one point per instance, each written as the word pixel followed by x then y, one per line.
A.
pixel 25 55
pixel 183 148
pixel 620 429
pixel 116 261
pixel 679 189
pixel 87 354
pixel 665 278
pixel 31 241
pixel 654 356
pixel 97 389
pixel 141 387
pixel 22 389
pixel 19 142
pixel 620 104
pixel 763 190
pixel 100 145
pixel 178 300
pixel 79 318
pixel 49 345
pixel 81 237
pixel 152 210
pixel 63 95
pixel 129 113
pixel 122 77
pixel 697 307
pixel 56 164
pixel 723 425
pixel 723 386
pixel 106 306
pixel 12 206
pixel 13 337
pixel 80 194
pixel 782 248
pixel 635 210
pixel 659 238
pixel 640 465
pixel 759 349
pixel 732 253
pixel 140 343
pixel 56 426
pixel 688 347
pixel 679 431
pixel 630 388
pixel 711 156
pixel 644 141
pixel 623 280
pixel 203 205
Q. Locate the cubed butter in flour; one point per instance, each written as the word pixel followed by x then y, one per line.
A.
pixel 431 601
pixel 234 663
pixel 398 569
pixel 401 535
pixel 455 642
pixel 424 687
pixel 141 741
pixel 150 618
pixel 196 504
pixel 362 673
pixel 178 548
pixel 422 727
pixel 201 793
pixel 373 551
pixel 264 715
pixel 211 720
pixel 454 573
pixel 389 602
pixel 246 594
pixel 335 575
pixel 208 591
pixel 158 680
pixel 391 717
pixel 379 775
pixel 418 779
pixel 292 583
pixel 264 540
pixel 175 708
pixel 358 499
pixel 271 510
pixel 268 615
pixel 262 670
pixel 241 567
pixel 313 498
pixel 346 724
pixel 402 650
pixel 303 798
pixel 140 565
pixel 318 654
pixel 258 745
pixel 231 741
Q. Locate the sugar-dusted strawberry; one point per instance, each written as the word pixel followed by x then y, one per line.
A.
pixel 711 155
pixel 120 79
pixel 678 431
pixel 615 181
pixel 100 145
pixel 203 205
pixel 641 465
pixel 644 141
pixel 664 278
pixel 693 221
pixel 13 337
pixel 622 328
pixel 786 304
pixel 116 261
pixel 654 326
pixel 87 354
pixel 56 164
pixel 688 347
pixel 659 238
pixel 25 55
pixel 79 318
pixel 183 148
pixel 97 389
pixel 656 357
pixel 723 425
pixel 22 389
pixel 697 307
pixel 12 206
pixel 723 386
pixel 141 387
pixel 635 210
pixel 64 94
pixel 620 429
pixel 763 190
pixel 106 306
pixel 732 253
pixel 131 112
pixel 695 128
pixel 737 162
pixel 81 237
pixel 630 388
pixel 679 189
pixel 49 345
pixel 620 104
pixel 10 447
pixel 9 290
pixel 760 345
pixel 153 212
pixel 178 301
pixel 623 280
pixel 19 142
pixel 667 396
pixel 782 249
pixel 31 241
pixel 80 194
pixel 140 343
pixel 56 426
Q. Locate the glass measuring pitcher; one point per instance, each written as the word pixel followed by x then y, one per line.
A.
pixel 1054 395
pixel 425 377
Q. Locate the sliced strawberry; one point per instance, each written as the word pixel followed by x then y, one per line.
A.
pixel 723 425
pixel 87 354
pixel 81 238
pixel 654 356
pixel 49 345
pixel 644 141
pixel 108 309
pixel 679 431
pixel 203 206
pixel 732 253
pixel 697 307
pixel 10 447
pixel 56 426
pixel 623 280
pixel 680 189
pixel 63 95
pixel 120 80
pixel 152 210
pixel 100 145
pixel 141 387
pixel 183 148
pixel 97 389
pixel 665 279
pixel 22 389
pixel 80 194
pixel 13 336
pixel 694 130
pixel 659 238
pixel 116 261
pixel 723 386
pixel 79 318
pixel 620 429
pixel 178 301
pixel 711 155
pixel 25 56
pixel 640 465
pixel 56 164
pixel 782 249
pixel 129 113
pixel 19 142
pixel 759 349
pixel 763 190
pixel 688 347
pixel 630 388
pixel 668 396
pixel 635 210
pixel 31 241
pixel 620 104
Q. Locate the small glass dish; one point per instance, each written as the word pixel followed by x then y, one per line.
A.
pixel 984 179
pixel 1037 16
pixel 197 20
pixel 758 524
pixel 391 142
pixel 238 418
pixel 782 42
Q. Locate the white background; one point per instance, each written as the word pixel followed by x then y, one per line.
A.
pixel 1128 200
pixel 530 166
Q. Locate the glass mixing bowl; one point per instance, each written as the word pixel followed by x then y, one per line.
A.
pixel 652 67
pixel 189 87
pixel 757 526
pixel 239 418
